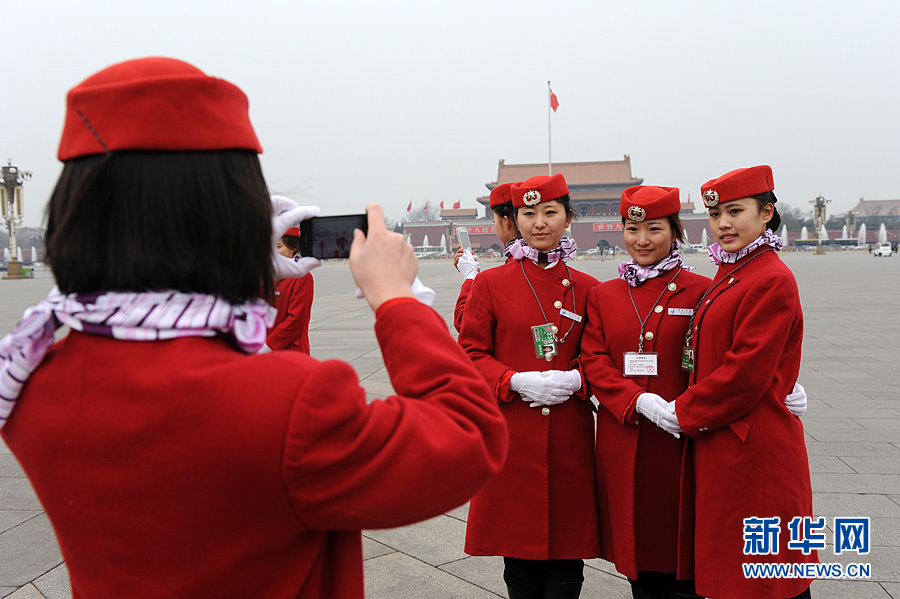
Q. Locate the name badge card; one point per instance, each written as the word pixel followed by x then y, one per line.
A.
pixel 544 341
pixel 687 359
pixel 641 364
pixel 681 311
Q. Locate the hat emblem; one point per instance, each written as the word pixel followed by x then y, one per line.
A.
pixel 710 198
pixel 532 198
pixel 636 213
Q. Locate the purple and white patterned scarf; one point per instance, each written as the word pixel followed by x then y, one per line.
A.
pixel 634 274
pixel 145 316
pixel 719 256
pixel 519 249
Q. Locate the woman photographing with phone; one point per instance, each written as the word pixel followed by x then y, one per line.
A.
pixel 522 327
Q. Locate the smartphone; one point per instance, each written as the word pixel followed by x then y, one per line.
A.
pixel 462 235
pixel 329 237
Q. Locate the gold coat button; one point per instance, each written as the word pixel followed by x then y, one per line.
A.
pixel 566 282
pixel 648 335
pixel 545 411
pixel 557 304
pixel 731 280
pixel 672 287
pixel 707 301
pixel 704 429
pixel 658 309
pixel 555 329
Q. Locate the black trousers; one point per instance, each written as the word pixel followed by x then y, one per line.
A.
pixel 661 585
pixel 530 578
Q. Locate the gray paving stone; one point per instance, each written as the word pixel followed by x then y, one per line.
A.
pixel 400 575
pixel 436 541
pixel 13 518
pixel 854 504
pixel 850 449
pixel 842 589
pixel 29 551
pixel 873 465
pixel 892 588
pixel 55 583
pixel 372 548
pixel 856 483
pixel 828 464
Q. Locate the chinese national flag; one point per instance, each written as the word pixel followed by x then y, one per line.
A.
pixel 554 101
pixel 442 204
pixel 456 205
pixel 408 208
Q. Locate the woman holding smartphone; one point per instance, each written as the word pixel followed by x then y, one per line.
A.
pixel 742 351
pixel 293 300
pixel 522 328
pixel 506 230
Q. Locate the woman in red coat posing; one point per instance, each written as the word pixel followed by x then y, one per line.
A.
pixel 743 351
pixel 293 300
pixel 630 354
pixel 522 328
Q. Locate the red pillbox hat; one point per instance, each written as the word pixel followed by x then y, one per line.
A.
pixel 737 184
pixel 155 104
pixel 537 190
pixel 502 194
pixel 646 202
pixel 292 232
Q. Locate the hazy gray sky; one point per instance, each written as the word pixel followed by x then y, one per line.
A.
pixel 399 101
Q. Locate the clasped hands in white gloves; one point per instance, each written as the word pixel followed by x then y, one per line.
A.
pixel 659 411
pixel 545 388
pixel 467 265
pixel 286 214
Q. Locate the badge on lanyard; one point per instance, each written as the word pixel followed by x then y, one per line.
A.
pixel 687 359
pixel 544 341
pixel 641 364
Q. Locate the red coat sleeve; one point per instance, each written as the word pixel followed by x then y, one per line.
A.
pixel 476 336
pixel 461 303
pixel 767 317
pixel 615 392
pixel 297 301
pixel 350 464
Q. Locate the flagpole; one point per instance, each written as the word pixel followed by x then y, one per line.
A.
pixel 549 133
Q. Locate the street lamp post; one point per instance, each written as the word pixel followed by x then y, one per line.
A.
pixel 819 218
pixel 11 200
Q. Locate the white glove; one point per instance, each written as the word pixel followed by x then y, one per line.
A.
pixel 659 412
pixel 796 400
pixel 423 294
pixel 468 265
pixel 286 214
pixel 547 388
pixel 265 349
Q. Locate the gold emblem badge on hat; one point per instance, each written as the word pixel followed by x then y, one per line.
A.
pixel 532 198
pixel 710 198
pixel 637 214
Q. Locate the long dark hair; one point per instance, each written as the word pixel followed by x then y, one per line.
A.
pixel 196 222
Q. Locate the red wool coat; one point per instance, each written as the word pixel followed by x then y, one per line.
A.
pixel 293 299
pixel 746 448
pixel 639 464
pixel 184 468
pixel 461 303
pixel 542 504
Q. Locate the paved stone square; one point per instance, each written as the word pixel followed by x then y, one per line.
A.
pixel 851 303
